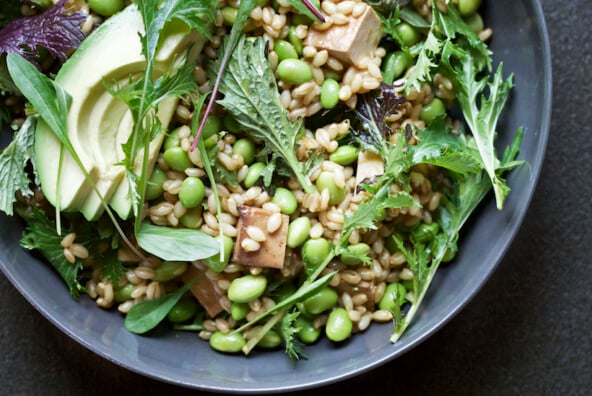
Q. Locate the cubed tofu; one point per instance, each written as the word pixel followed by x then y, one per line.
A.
pixel 364 287
pixel 272 251
pixel 369 166
pixel 205 290
pixel 350 42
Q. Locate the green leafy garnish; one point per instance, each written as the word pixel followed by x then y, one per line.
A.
pixel 13 161
pixel 305 7
pixel 146 315
pixel 293 346
pixel 176 244
pixel 113 268
pixel 244 10
pixel 41 235
pixel 251 96
pixel 144 95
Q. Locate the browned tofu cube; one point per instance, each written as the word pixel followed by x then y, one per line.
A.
pixel 205 290
pixel 364 287
pixel 272 251
pixel 349 42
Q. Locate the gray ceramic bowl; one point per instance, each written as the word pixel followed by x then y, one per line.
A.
pixel 520 40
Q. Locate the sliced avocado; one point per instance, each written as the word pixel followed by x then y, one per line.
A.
pixel 98 123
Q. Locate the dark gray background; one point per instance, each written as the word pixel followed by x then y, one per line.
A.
pixel 526 332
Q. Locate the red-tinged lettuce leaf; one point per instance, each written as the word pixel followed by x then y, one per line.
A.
pixel 371 111
pixel 57 30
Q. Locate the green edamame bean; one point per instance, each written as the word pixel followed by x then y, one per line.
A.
pixel 245 148
pixel 298 231
pixel 285 50
pixel 183 310
pixel 230 343
pixel 124 293
pixel 285 199
pixel 229 15
pixel 154 186
pixel 329 93
pixel 344 155
pixel 106 8
pixel 315 251
pixel 432 110
pixel 168 270
pixel 475 22
pixel 339 326
pixel 394 65
pixel 426 232
pixel 231 124
pixel 212 126
pixel 255 170
pixel 247 288
pixel 177 159
pixel 172 140
pixel 271 339
pixel 294 39
pixel 324 299
pixel 307 332
pixel 468 7
pixel 350 257
pixel 294 71
pixel 215 263
pixel 192 192
pixel 326 180
pixel 393 297
pixel 407 33
pixel 239 311
pixel 192 218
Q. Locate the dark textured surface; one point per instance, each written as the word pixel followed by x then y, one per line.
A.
pixel 526 332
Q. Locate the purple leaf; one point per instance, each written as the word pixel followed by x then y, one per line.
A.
pixel 57 30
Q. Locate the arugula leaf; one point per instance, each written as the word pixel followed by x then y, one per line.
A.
pixel 41 235
pixel 13 160
pixel 176 244
pixel 370 211
pixel 251 96
pixel 438 146
pixel 456 207
pixel 146 315
pixel 481 111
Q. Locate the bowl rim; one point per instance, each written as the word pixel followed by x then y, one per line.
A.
pixel 522 208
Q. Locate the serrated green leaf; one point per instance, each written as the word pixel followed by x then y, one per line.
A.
pixel 13 161
pixel 251 96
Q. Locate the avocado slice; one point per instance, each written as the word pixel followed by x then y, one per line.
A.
pixel 98 123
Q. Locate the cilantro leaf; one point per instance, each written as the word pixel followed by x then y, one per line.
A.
pixel 41 235
pixel 13 160
pixel 251 96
